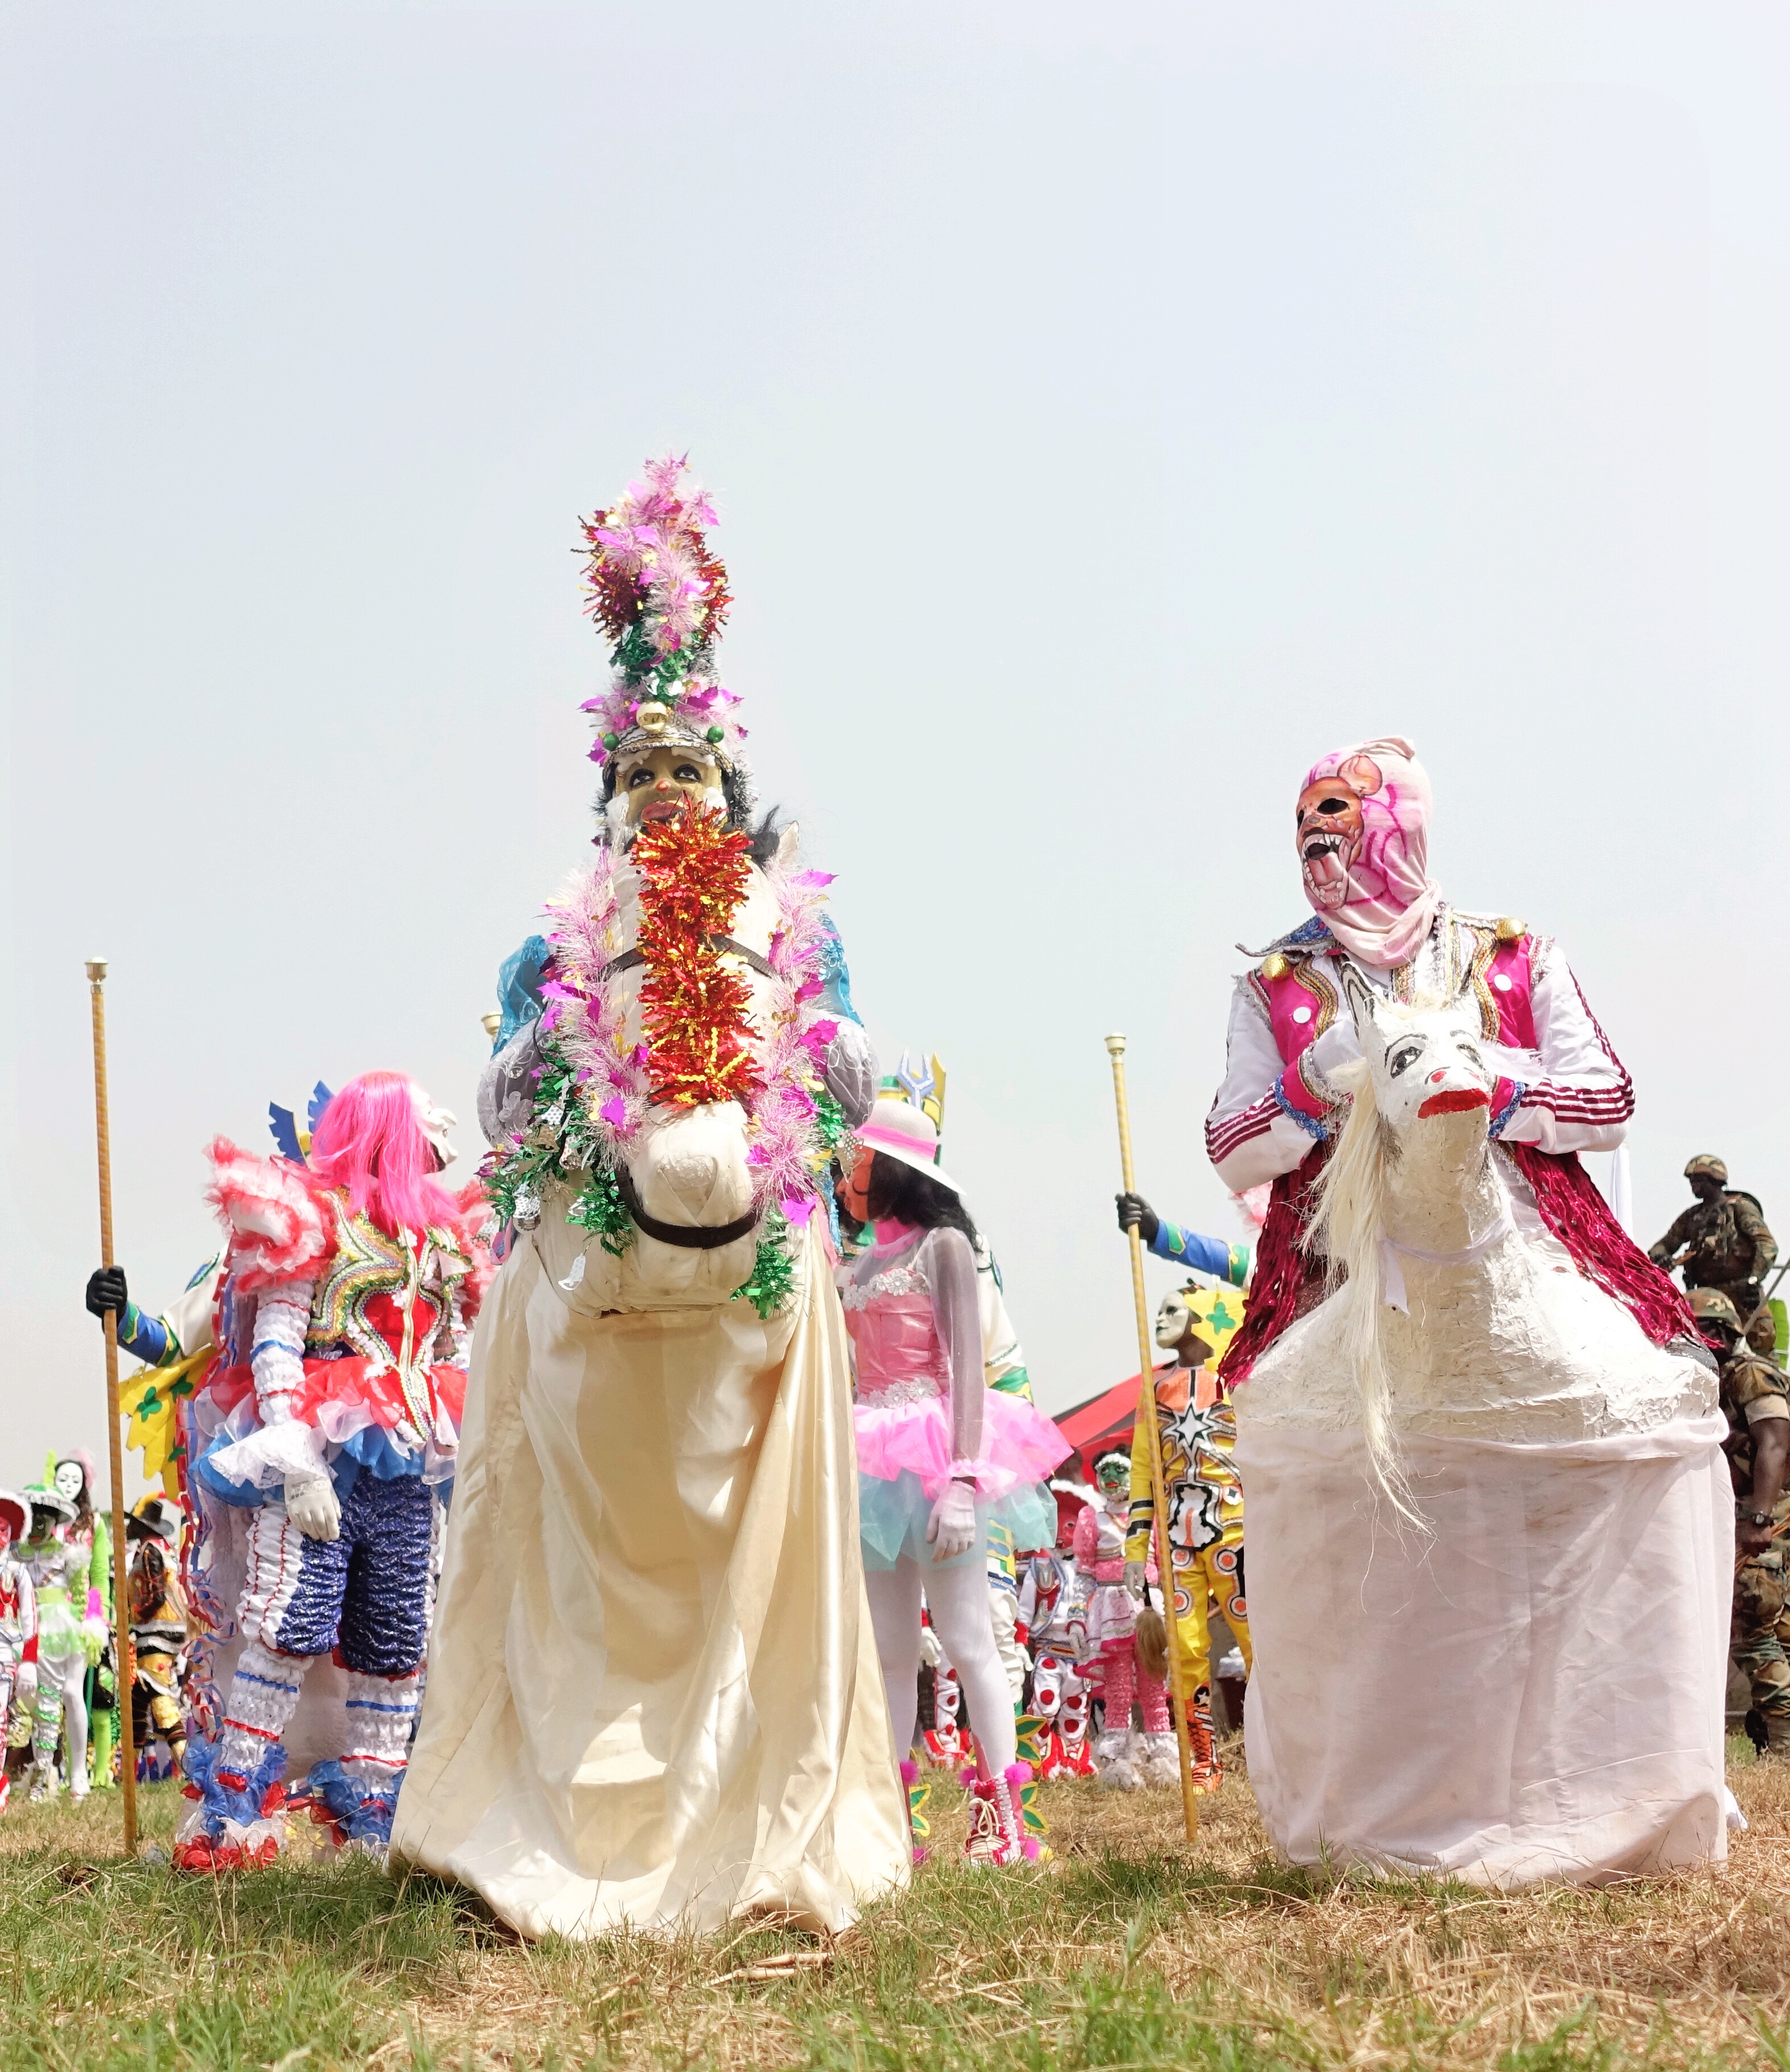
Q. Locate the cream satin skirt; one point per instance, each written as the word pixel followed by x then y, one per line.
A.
pixel 653 1697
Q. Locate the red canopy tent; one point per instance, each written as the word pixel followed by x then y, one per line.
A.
pixel 1099 1425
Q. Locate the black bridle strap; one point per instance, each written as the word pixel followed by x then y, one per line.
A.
pixel 631 960
pixel 688 1237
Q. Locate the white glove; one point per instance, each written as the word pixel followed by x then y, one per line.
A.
pixel 1136 1575
pixel 950 1530
pixel 311 1506
pixel 931 1654
pixel 25 1680
pixel 1338 1045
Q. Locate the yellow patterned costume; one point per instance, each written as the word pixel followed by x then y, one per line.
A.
pixel 1198 1434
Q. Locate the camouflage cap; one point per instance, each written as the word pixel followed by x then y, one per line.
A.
pixel 1710 1305
pixel 1703 1162
pixel 1762 1335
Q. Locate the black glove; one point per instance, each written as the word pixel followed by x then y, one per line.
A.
pixel 106 1290
pixel 1136 1214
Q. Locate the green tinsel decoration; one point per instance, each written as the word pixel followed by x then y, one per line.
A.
pixel 559 1145
pixel 773 1270
pixel 829 1121
pixel 601 1209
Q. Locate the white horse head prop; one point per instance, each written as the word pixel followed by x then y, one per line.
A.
pixel 1451 1308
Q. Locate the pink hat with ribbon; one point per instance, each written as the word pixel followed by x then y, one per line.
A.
pixel 900 1131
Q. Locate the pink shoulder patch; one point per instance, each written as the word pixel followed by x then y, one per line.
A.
pixel 1293 1013
pixel 1512 982
pixel 276 1225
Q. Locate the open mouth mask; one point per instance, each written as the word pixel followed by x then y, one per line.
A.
pixel 1363 823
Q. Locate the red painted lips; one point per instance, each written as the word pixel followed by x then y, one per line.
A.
pixel 1457 1101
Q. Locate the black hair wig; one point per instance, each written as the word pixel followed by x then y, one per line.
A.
pixel 902 1193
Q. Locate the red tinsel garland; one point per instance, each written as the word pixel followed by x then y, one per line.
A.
pixel 693 877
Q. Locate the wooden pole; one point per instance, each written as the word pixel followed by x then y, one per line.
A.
pixel 121 1565
pixel 1159 1493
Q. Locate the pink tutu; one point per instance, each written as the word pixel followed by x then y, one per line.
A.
pixel 1020 1445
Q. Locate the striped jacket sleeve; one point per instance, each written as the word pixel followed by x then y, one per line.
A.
pixel 1263 1121
pixel 1584 1098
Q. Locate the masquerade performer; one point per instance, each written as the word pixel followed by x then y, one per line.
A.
pixel 158 1628
pixel 73 1474
pixel 1050 1626
pixel 18 1626
pixel 325 1426
pixel 1107 1615
pixel 70 1636
pixel 941 1457
pixel 1418 1083
pixel 653 1700
pixel 1198 1431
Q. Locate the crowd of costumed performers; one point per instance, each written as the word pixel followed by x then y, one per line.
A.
pixel 664 1593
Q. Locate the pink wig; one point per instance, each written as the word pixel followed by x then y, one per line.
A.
pixel 369 1140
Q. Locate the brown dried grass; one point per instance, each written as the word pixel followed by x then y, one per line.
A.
pixel 1134 1949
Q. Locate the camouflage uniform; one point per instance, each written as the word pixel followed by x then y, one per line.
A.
pixel 1761 1626
pixel 1728 1245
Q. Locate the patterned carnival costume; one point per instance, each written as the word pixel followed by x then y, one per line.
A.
pixel 158 1634
pixel 1196 1431
pixel 62 1556
pixel 326 1426
pixel 18 1625
pixel 943 1458
pixel 1107 1614
pixel 653 1699
pixel 1050 1625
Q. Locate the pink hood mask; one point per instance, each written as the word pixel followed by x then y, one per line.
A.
pixel 1364 838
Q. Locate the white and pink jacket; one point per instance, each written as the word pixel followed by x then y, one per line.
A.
pixel 1273 1103
pixel 1566 1091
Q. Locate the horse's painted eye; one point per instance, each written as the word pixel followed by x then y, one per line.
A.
pixel 1406 1054
pixel 1472 1056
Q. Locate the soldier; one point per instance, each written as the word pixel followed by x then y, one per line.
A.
pixel 1724 1241
pixel 1758 1409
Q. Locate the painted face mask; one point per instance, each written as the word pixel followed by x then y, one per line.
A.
pixel 1171 1322
pixel 69 1477
pixel 1363 823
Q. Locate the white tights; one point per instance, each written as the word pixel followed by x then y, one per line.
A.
pixel 61 1709
pixel 957 1594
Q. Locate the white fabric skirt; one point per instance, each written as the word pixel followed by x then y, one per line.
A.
pixel 1536 1691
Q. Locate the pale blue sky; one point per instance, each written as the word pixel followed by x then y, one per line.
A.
pixel 1110 410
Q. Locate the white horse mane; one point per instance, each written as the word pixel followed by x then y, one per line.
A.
pixel 1348 1227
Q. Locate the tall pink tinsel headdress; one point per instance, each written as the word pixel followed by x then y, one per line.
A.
pixel 656 588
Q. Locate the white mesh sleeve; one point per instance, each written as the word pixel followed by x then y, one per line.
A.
pixel 950 1268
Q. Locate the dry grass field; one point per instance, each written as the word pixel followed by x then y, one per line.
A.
pixel 1134 1951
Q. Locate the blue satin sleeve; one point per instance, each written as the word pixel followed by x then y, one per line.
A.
pixel 1204 1254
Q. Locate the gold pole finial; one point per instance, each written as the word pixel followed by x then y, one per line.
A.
pixel 491 1023
pixel 95 970
pixel 1115 1045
